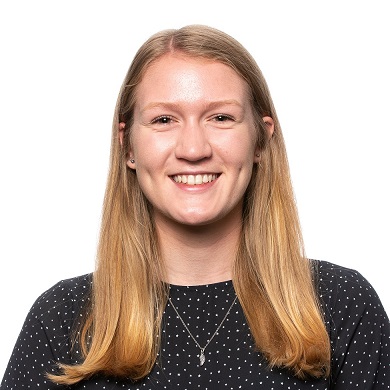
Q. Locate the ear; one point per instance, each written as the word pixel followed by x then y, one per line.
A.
pixel 121 132
pixel 269 122
pixel 270 126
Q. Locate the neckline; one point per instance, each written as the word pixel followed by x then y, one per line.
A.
pixel 202 287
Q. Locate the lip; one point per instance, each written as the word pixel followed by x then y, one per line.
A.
pixel 195 179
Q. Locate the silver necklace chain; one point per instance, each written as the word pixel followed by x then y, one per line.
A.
pixel 202 357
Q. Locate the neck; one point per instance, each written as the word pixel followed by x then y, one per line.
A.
pixel 196 255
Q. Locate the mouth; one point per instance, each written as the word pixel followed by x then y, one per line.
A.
pixel 194 180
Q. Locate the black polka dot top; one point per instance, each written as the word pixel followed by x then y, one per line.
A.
pixel 358 327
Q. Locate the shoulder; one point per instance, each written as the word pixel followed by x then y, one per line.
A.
pixel 357 323
pixel 346 295
pixel 64 300
pixel 338 282
pixel 72 287
pixel 334 273
pixel 46 335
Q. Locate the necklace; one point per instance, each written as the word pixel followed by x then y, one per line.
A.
pixel 202 357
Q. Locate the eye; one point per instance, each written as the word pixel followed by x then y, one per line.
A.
pixel 222 118
pixel 162 119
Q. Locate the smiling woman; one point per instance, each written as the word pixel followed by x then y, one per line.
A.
pixel 193 120
pixel 202 279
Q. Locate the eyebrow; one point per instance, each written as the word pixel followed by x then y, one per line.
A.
pixel 208 105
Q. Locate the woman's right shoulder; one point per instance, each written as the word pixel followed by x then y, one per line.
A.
pixel 64 300
pixel 74 286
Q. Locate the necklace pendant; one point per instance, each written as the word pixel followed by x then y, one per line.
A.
pixel 202 358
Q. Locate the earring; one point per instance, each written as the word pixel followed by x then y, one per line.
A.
pixel 257 154
pixel 132 161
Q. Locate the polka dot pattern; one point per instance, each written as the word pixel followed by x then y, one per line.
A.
pixel 357 324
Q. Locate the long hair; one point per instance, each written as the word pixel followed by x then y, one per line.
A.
pixel 272 278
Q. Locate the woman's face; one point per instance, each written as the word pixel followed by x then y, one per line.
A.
pixel 193 140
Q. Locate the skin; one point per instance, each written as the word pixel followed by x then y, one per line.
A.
pixel 193 121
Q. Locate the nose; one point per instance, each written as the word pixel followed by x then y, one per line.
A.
pixel 193 142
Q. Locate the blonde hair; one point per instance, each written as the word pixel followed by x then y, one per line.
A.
pixel 271 276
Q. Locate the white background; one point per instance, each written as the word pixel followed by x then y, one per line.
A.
pixel 62 63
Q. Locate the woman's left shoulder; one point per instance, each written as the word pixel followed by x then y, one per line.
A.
pixel 335 273
pixel 358 327
pixel 345 289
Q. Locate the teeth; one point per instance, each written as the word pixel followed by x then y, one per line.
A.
pixel 194 179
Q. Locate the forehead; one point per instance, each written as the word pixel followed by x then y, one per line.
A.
pixel 182 77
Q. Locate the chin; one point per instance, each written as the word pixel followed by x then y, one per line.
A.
pixel 197 219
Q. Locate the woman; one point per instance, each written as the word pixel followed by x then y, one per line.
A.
pixel 201 280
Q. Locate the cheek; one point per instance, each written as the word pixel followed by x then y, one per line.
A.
pixel 241 150
pixel 149 150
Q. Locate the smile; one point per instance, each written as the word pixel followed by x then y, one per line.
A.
pixel 194 180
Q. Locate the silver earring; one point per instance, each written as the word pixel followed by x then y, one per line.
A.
pixel 257 154
pixel 132 161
